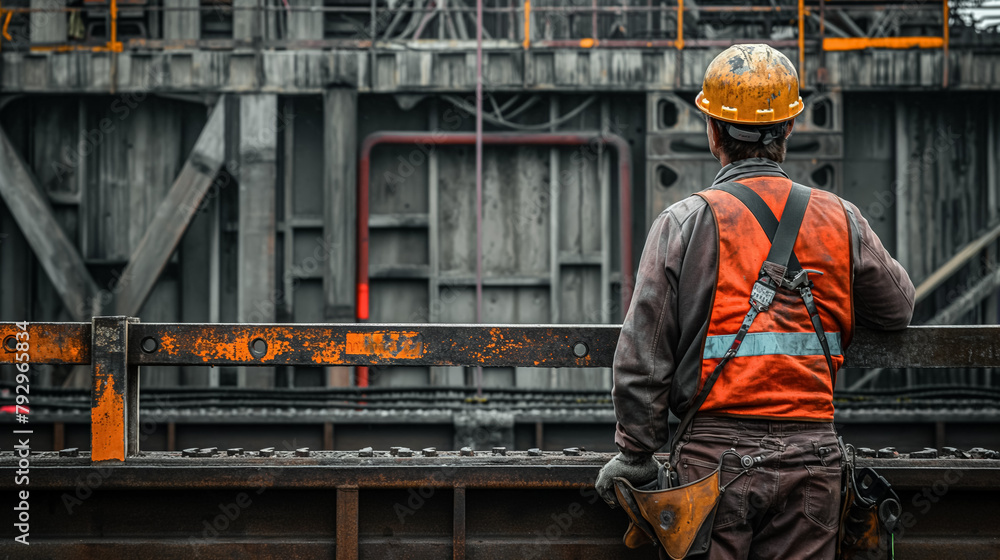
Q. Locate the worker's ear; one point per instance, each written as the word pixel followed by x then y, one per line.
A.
pixel 788 128
pixel 713 137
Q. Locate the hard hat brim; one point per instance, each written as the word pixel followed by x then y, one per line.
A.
pixel 800 106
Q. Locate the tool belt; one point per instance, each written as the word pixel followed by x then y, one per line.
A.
pixel 678 518
pixel 870 512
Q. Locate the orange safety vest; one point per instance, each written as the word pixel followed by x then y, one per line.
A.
pixel 780 370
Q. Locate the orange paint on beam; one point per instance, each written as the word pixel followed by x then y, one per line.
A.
pixel 860 43
pixel 389 345
pixel 48 343
pixel 587 43
pixel 237 348
pixel 107 419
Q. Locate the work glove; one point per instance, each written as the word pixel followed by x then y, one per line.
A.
pixel 637 469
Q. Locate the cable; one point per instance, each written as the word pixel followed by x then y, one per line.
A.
pixel 462 105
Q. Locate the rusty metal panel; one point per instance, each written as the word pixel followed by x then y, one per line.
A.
pixel 339 504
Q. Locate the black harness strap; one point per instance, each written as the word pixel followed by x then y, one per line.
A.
pixel 782 236
pixel 761 211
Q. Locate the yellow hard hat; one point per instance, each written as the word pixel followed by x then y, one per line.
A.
pixel 750 84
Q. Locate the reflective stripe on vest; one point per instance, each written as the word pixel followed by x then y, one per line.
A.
pixel 772 343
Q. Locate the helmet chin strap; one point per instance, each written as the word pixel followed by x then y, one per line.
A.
pixel 762 134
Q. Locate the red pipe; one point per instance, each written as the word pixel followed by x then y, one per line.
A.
pixel 432 139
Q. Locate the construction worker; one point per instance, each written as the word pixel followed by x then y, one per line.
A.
pixel 708 271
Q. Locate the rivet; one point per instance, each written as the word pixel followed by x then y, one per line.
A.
pixel 366 452
pixel 234 451
pixel 394 450
pixel 302 452
pixel 499 450
pixel 69 452
pixel 258 347
pixel 267 452
pixel 580 349
pixel 571 451
pixel 534 452
pixel 430 452
pixel 466 452
pixel 404 452
pixel 189 451
pixel 149 345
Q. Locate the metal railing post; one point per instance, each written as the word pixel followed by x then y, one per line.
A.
pixel 680 25
pixel 114 413
pixel 802 44
pixel 946 37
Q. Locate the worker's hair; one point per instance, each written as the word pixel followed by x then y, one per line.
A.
pixel 738 149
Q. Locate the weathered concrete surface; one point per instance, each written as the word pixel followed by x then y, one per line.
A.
pixel 444 67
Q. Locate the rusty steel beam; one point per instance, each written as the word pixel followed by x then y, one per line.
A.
pixel 441 344
pixel 51 343
pixel 373 344
pixel 337 470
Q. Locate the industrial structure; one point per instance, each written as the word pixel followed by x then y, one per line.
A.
pixel 271 209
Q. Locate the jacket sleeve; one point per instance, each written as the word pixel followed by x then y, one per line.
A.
pixel 644 360
pixel 883 292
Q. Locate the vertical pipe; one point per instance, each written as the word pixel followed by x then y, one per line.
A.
pixel 479 179
pixel 371 47
pixel 593 21
pixel 527 24
pixel 114 25
pixel 802 44
pixel 680 25
pixel 903 187
pixel 555 266
pixel 947 33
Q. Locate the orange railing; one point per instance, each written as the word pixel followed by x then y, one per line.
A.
pixel 537 22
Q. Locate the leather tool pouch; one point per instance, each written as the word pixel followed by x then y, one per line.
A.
pixel 678 519
pixel 869 515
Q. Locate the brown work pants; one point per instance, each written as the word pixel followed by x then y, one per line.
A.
pixel 786 507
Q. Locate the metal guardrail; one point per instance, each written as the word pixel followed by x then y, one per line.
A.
pixel 516 22
pixel 116 347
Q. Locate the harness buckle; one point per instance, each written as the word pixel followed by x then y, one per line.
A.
pixel 762 295
pixel 800 279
